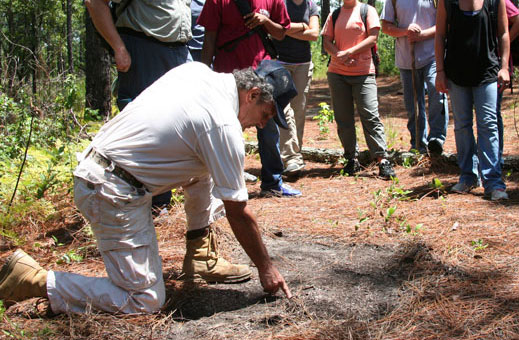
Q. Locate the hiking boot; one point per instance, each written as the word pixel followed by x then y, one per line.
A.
pixel 352 166
pixel 385 169
pixel 498 195
pixel 22 278
pixel 435 147
pixel 284 190
pixel 203 262
pixel 462 188
pixel 249 178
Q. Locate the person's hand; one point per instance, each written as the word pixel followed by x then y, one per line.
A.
pixel 503 79
pixel 254 19
pixel 441 82
pixel 346 57
pixel 272 281
pixel 414 33
pixel 122 59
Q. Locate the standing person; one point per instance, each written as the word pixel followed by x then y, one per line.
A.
pixel 470 34
pixel 132 158
pixel 196 43
pixel 230 42
pixel 351 77
pixel 148 40
pixel 294 53
pixel 414 23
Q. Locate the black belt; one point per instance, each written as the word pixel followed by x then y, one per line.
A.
pixel 129 31
pixel 117 170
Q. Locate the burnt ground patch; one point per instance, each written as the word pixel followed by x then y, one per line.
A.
pixel 330 281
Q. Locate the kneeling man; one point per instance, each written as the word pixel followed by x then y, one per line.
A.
pixel 185 130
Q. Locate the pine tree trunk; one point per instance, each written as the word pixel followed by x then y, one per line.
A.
pixel 97 71
pixel 69 37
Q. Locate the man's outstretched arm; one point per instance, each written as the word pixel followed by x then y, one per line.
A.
pixel 245 228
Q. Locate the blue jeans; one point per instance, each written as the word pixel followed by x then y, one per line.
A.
pixel 483 155
pixel 150 61
pixel 438 111
pixel 271 164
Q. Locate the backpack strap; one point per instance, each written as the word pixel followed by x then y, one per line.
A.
pixel 364 14
pixel 335 16
pixel 116 9
pixel 244 9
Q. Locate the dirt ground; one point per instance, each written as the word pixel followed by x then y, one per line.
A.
pixel 365 258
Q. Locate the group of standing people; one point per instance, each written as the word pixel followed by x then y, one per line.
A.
pixel 181 125
pixel 459 47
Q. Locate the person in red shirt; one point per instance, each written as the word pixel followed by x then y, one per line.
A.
pixel 223 23
pixel 230 43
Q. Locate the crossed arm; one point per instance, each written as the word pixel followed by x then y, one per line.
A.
pixel 302 31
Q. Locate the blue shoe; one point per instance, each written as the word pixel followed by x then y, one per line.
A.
pixel 284 190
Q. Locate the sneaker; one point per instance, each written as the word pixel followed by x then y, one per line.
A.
pixel 202 262
pixel 284 190
pixel 435 147
pixel 498 195
pixel 352 167
pixel 293 168
pixel 249 178
pixel 462 188
pixel 22 278
pixel 385 169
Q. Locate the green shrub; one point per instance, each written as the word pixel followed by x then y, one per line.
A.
pixel 320 61
pixel 386 51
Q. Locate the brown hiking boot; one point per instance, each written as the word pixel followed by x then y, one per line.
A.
pixel 202 262
pixel 21 278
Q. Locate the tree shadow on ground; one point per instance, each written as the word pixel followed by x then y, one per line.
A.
pixel 427 190
pixel 420 282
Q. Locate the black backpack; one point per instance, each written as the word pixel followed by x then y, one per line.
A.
pixel 363 16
